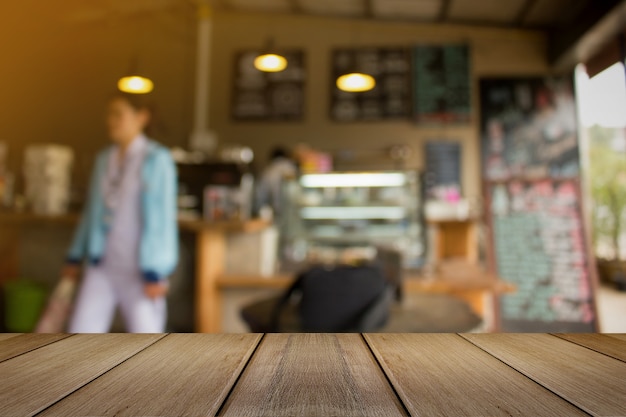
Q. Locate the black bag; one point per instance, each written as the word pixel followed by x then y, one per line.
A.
pixel 340 299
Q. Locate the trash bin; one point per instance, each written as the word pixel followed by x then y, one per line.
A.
pixel 24 302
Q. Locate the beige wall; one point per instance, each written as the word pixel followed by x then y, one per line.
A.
pixel 57 71
pixel 56 74
pixel 495 52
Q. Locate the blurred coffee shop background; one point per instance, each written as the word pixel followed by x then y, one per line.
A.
pixel 483 174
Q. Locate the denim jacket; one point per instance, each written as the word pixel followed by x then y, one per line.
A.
pixel 158 250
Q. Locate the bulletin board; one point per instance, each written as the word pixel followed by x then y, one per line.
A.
pixel 269 96
pixel 533 205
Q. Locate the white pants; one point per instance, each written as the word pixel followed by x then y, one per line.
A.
pixel 102 290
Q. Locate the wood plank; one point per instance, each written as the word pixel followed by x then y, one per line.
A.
pixel 444 375
pixel 607 345
pixel 181 375
pixel 255 281
pixel 590 380
pixel 26 342
pixel 617 336
pixel 313 374
pixel 445 285
pixel 37 379
pixel 5 336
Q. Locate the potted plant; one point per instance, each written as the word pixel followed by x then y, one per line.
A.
pixel 608 189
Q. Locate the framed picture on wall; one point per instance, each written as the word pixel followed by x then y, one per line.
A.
pixel 268 96
pixel 390 98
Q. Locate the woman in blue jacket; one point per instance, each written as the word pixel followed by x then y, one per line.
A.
pixel 128 233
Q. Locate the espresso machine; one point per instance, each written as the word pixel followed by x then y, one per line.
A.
pixel 215 191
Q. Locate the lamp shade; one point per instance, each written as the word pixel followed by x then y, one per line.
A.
pixel 135 84
pixel 270 62
pixel 356 82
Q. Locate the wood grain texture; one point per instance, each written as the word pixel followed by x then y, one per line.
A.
pixel 313 375
pixel 180 375
pixel 444 375
pixel 590 380
pixel 4 336
pixel 26 342
pixel 37 379
pixel 607 345
pixel 617 336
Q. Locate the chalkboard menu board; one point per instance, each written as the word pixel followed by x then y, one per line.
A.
pixel 270 96
pixel 443 166
pixel 534 204
pixel 529 129
pixel 540 247
pixel 441 84
pixel 390 99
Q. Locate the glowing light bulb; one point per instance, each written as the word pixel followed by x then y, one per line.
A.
pixel 135 84
pixel 270 63
pixel 356 82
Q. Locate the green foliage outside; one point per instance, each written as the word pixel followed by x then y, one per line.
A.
pixel 607 175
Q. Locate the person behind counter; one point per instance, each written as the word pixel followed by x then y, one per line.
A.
pixel 128 231
pixel 280 167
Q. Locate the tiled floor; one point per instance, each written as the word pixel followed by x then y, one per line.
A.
pixel 611 310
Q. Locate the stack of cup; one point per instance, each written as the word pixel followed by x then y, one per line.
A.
pixel 47 175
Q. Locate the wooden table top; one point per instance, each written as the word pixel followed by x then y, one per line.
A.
pixel 226 226
pixel 435 284
pixel 313 374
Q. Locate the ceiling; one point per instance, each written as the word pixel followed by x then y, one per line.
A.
pixel 542 14
pixel 576 29
pixel 535 14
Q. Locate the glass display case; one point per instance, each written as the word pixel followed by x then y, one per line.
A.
pixel 327 214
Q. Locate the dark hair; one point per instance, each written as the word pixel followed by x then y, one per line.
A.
pixel 279 152
pixel 136 101
pixel 141 102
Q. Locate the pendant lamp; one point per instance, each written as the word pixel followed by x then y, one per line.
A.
pixel 356 82
pixel 270 60
pixel 134 83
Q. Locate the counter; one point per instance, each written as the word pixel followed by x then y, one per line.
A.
pixel 313 374
pixel 211 280
pixel 210 243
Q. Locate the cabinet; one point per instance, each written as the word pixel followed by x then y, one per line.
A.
pixel 328 214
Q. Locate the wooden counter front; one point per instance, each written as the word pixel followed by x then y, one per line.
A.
pixel 313 375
